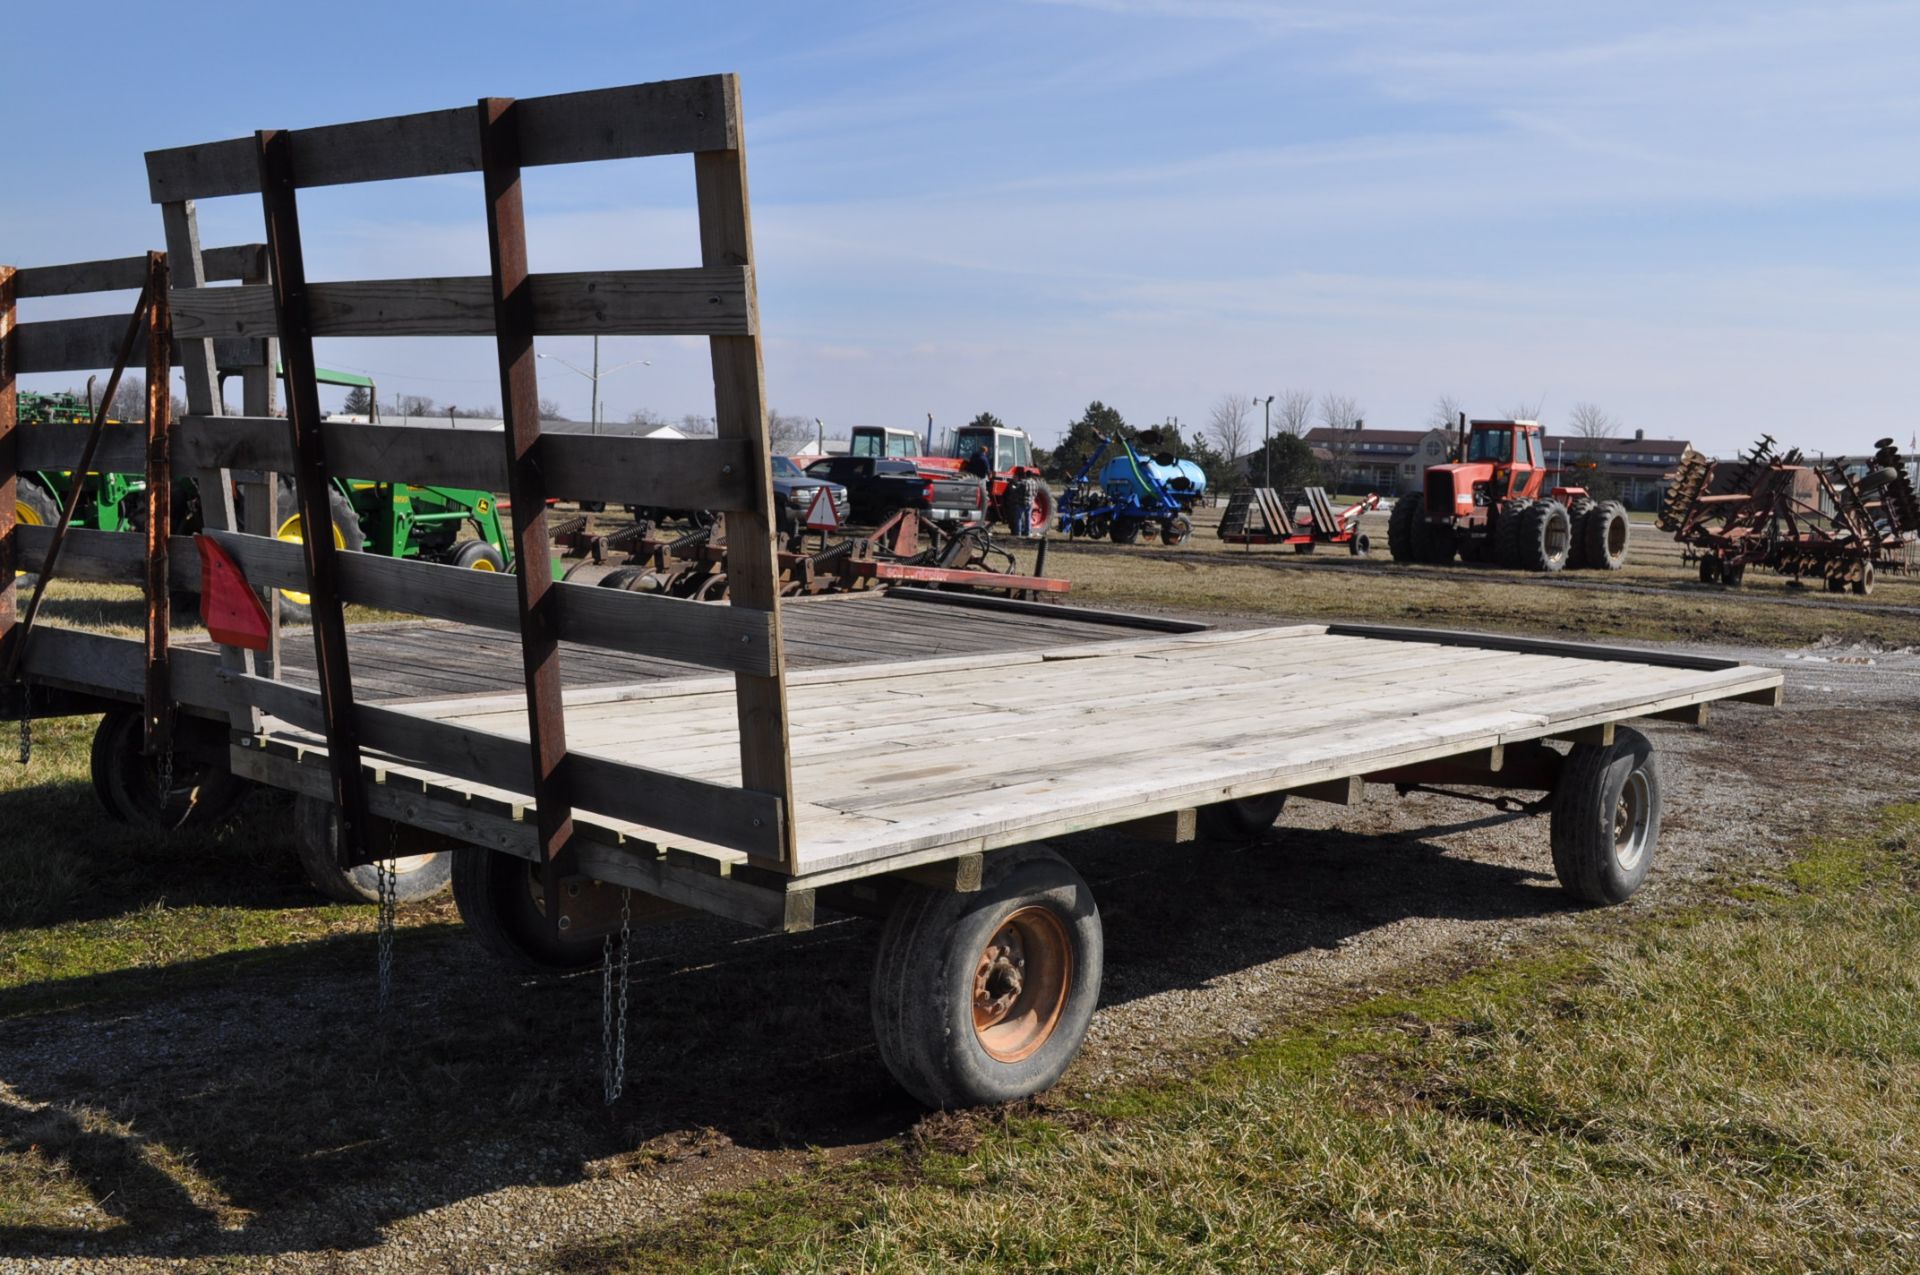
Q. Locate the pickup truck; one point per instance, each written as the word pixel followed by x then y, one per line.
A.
pixel 793 494
pixel 876 487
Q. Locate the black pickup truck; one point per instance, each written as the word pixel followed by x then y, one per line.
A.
pixel 877 486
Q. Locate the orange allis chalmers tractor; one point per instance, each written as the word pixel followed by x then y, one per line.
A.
pixel 1490 504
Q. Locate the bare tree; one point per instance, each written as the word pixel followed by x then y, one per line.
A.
pixel 786 434
pixel 1231 425
pixel 1446 412
pixel 645 416
pixel 1525 410
pixel 1589 421
pixel 1340 413
pixel 413 405
pixel 1293 412
pixel 550 410
pixel 693 425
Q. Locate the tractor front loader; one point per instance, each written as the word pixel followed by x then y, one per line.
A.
pixel 1491 504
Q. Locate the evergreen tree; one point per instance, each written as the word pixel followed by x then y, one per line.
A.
pixel 1083 437
pixel 359 402
pixel 1293 465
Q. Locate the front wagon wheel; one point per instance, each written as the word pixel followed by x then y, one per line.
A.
pixel 1606 817
pixel 985 997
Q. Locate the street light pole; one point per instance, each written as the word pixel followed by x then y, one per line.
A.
pixel 1266 436
pixel 593 404
pixel 593 411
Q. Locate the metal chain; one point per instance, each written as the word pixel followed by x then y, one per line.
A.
pixel 166 777
pixel 613 1024
pixel 387 887
pixel 26 722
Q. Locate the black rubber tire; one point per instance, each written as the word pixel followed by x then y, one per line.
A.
pixel 1433 543
pixel 1406 511
pixel 1710 569
pixel 1874 479
pixel 1603 538
pixel 353 540
pixel 471 553
pixel 1863 584
pixel 1545 536
pixel 1577 517
pixel 1359 546
pixel 1506 531
pixel 127 782
pixel 1176 531
pixel 1125 530
pixel 1242 817
pixel 31 496
pixel 923 979
pixel 316 845
pixel 495 894
pixel 1836 584
pixel 1597 784
pixel 1733 576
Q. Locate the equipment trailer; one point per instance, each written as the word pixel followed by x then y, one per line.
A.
pixel 919 790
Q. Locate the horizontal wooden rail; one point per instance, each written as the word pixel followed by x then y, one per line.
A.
pixel 674 473
pixel 731 639
pixel 737 818
pixel 690 302
pixel 129 274
pixel 670 117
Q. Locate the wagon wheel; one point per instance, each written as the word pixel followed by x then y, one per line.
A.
pixel 985 997
pixel 502 902
pixel 1360 545
pixel 1606 817
pixel 316 842
pixel 1241 817
pixel 202 792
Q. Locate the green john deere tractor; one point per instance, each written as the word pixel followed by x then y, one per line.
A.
pixel 396 520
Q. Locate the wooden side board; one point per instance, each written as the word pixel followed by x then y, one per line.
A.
pixel 688 302
pixel 731 639
pixel 690 473
pixel 667 117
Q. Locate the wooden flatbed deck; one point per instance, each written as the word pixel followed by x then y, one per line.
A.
pixel 909 762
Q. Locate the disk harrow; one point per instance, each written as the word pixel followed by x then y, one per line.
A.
pixel 1774 510
pixel 908 548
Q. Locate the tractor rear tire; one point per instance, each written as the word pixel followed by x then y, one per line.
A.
pixel 1406 511
pixel 1577 514
pixel 1545 536
pixel 347 537
pixel 477 555
pixel 316 842
pixel 127 782
pixel 985 997
pixel 501 902
pixel 1242 817
pixel 34 506
pixel 1606 817
pixel 1506 531
pixel 1433 543
pixel 1603 536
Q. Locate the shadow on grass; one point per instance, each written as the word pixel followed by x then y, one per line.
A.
pixel 310 1122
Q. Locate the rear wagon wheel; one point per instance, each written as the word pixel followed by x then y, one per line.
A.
pixel 202 791
pixel 1606 817
pixel 502 904
pixel 316 842
pixel 1241 817
pixel 985 997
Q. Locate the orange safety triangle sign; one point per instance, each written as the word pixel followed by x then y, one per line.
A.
pixel 228 607
pixel 821 515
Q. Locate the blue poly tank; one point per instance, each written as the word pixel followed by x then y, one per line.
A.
pixel 1181 478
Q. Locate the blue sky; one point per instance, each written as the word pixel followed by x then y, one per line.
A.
pixel 1700 217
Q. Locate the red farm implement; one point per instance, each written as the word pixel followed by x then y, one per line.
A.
pixel 1773 510
pixel 1303 519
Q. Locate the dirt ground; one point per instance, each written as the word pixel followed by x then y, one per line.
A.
pixel 261 1116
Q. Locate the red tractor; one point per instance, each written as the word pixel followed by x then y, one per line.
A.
pixel 1488 505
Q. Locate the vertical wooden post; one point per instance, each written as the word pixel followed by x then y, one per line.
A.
pixel 740 411
pixel 157 723
pixel 185 264
pixel 310 485
pixel 526 484
pixel 259 382
pixel 9 465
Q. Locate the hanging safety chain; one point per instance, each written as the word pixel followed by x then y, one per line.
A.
pixel 613 1023
pixel 387 888
pixel 26 722
pixel 166 777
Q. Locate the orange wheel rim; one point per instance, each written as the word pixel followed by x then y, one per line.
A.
pixel 1020 984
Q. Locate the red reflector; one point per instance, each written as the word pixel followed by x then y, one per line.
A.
pixel 228 607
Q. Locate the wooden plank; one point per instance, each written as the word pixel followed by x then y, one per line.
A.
pixel 1174 827
pixel 740 411
pixel 702 473
pixel 116 274
pixel 157 711
pixel 1691 714
pixel 696 301
pixel 246 261
pixel 513 325
pixel 664 118
pixel 1537 646
pixel 73 345
pixel 312 496
pixel 9 462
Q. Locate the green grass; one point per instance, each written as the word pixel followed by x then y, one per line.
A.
pixel 1732 1087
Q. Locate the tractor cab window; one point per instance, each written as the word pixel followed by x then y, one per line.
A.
pixel 902 445
pixel 1012 452
pixel 1494 445
pixel 1533 450
pixel 867 445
